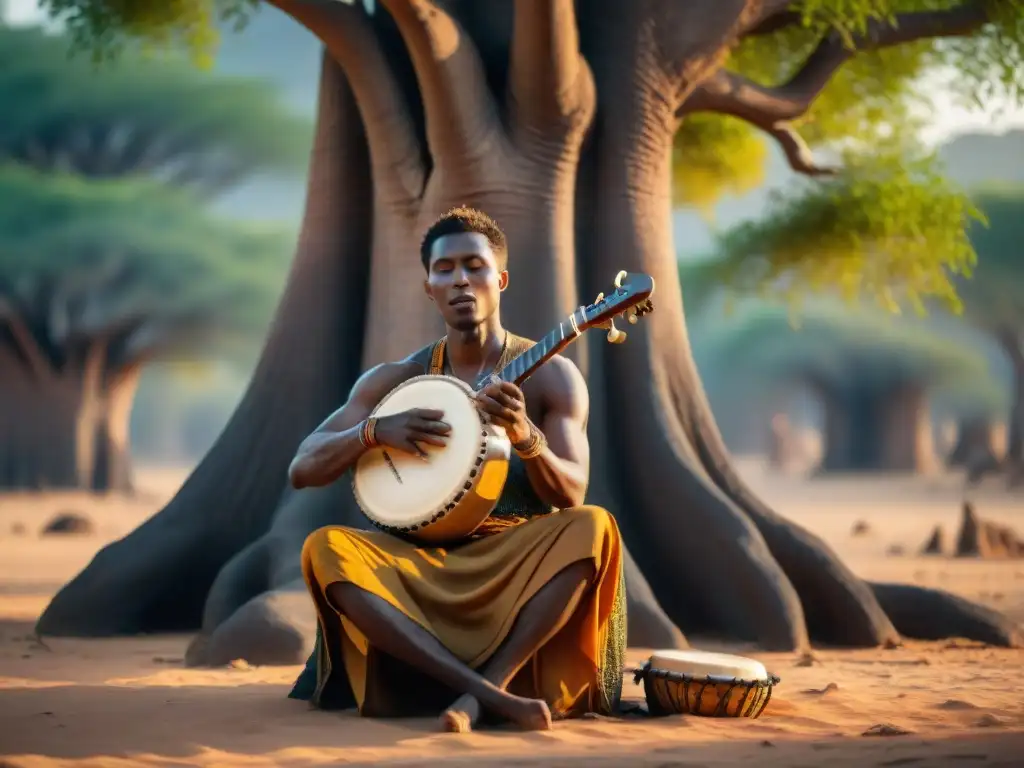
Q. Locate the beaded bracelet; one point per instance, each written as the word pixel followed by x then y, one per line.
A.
pixel 535 445
pixel 368 433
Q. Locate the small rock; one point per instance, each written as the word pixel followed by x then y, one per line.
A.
pixel 240 664
pixel 895 550
pixel 68 523
pixel 860 528
pixel 168 660
pixel 767 743
pixel 956 704
pixel 936 543
pixel 18 529
pixel 988 720
pixel 805 659
pixel 886 729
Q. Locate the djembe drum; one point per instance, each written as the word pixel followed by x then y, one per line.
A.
pixel 707 684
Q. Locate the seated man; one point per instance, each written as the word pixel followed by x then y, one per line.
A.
pixel 526 619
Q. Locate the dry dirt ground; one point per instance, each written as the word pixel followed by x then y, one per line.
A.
pixel 130 702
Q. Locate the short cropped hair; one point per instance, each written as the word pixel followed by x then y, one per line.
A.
pixel 465 220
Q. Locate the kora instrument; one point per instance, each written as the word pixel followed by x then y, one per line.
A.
pixel 447 497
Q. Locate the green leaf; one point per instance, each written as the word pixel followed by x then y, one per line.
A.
pixel 890 228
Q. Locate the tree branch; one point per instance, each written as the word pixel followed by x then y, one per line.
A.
pixel 549 81
pixel 727 93
pixel 773 22
pixel 24 340
pixel 770 108
pixel 349 37
pixel 460 112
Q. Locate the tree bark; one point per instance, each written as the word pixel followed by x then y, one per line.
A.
pixel 1012 342
pixel 872 430
pixel 112 464
pixel 225 556
pixel 979 443
pixel 63 430
pixel 39 423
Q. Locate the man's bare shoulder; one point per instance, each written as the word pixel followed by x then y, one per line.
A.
pixel 561 384
pixel 382 378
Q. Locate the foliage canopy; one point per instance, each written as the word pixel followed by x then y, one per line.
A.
pixel 131 259
pixel 142 115
pixel 994 296
pixel 889 226
pixel 854 351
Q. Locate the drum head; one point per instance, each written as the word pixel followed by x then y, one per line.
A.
pixel 700 664
pixel 421 487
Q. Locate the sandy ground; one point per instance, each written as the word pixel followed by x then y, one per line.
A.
pixel 130 702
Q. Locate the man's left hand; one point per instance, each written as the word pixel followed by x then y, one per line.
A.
pixel 505 406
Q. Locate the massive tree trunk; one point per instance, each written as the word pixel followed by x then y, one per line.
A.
pixel 979 446
pixel 505 135
pixel 1012 342
pixel 62 429
pixel 869 429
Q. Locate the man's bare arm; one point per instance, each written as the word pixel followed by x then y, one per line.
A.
pixel 334 446
pixel 561 472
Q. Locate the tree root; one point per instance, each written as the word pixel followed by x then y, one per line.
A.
pixel 648 626
pixel 934 614
pixel 150 582
pixel 243 577
pixel 274 628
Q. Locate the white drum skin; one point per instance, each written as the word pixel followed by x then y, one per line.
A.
pixel 701 664
pixel 447 496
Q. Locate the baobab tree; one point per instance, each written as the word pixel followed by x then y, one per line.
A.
pixel 994 301
pixel 558 119
pixel 140 117
pixel 97 280
pixel 874 376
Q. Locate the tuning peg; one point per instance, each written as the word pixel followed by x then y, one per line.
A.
pixel 600 298
pixel 633 315
pixel 619 278
pixel 615 336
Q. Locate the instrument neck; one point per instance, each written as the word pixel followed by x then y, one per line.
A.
pixel 557 339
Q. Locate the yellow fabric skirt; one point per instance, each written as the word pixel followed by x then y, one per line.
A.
pixel 468 597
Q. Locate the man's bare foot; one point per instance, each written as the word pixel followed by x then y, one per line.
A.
pixel 528 714
pixel 462 716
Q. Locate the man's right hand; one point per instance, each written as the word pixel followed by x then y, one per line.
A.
pixel 406 430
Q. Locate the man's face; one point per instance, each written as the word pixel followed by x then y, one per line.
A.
pixel 464 279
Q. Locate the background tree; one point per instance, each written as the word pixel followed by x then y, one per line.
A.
pixel 97 279
pixel 140 116
pixel 873 376
pixel 488 104
pixel 994 300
